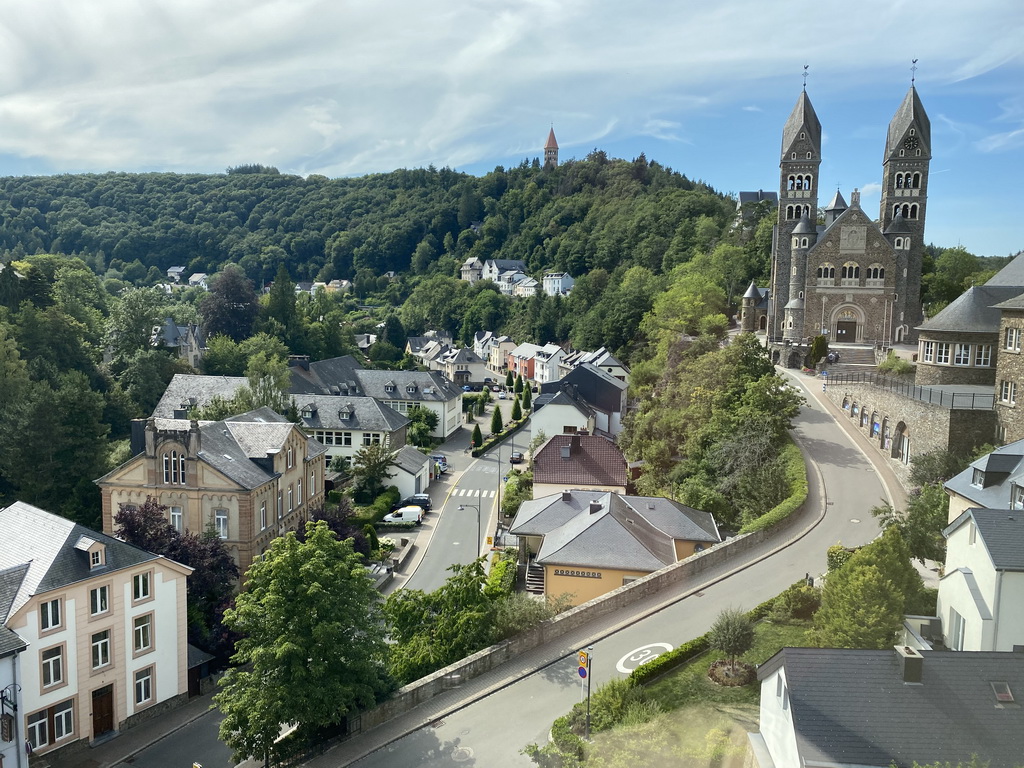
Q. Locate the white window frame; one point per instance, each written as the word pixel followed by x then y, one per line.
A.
pixel 52 666
pixel 38 731
pixel 141 587
pixel 101 651
pixel 263 515
pixel 177 519
pixel 220 520
pixel 298 492
pixel 983 356
pixel 63 719
pixel 957 630
pixel 942 352
pixel 928 351
pixel 291 500
pixel 143 686
pixel 49 615
pixel 1012 340
pixel 99 600
pixel 142 633
pixel 961 354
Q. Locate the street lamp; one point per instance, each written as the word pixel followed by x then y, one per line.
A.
pixel 477 508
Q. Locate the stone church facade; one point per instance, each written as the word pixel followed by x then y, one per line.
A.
pixel 840 272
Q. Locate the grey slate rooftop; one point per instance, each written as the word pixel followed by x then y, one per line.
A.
pixel 191 391
pixel 852 708
pixel 10 582
pixel 1005 465
pixel 1001 531
pixel 974 311
pixel 364 413
pixel 1011 274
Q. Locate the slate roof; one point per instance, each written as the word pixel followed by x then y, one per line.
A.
pixel 852 708
pixel 1005 462
pixel 562 397
pixel 592 460
pixel 628 532
pixel 1002 532
pixel 838 202
pixel 973 311
pixel 366 413
pixel 898 225
pixel 10 582
pixel 802 116
pixel 909 111
pixel 410 459
pixel 345 376
pixel 46 543
pixel 193 391
pixel 601 390
pixel 1011 274
pixel 757 197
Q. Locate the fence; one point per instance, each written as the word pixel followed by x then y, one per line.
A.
pixel 959 401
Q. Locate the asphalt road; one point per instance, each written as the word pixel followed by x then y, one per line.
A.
pixel 196 742
pixel 492 731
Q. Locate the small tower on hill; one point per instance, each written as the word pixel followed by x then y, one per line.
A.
pixel 551 150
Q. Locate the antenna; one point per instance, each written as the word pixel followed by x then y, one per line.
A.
pixel 913 72
pixel 806 67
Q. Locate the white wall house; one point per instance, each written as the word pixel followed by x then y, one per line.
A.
pixel 557 283
pixel 546 360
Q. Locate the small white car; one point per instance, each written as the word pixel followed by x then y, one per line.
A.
pixel 408 514
pixel 502 395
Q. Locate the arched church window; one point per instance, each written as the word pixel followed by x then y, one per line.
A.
pixel 851 273
pixel 875 275
pixel 906 211
pixel 899 181
pixel 803 242
pixel 913 211
pixel 916 183
pixel 808 155
pixel 792 181
pixel 807 210
pixel 902 153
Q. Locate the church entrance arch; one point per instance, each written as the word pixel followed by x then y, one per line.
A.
pixel 848 321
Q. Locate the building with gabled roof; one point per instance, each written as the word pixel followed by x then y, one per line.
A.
pixel 584 462
pixel 250 477
pixel 587 543
pixel 551 150
pixel 104 624
pixel 561 413
pixel 993 481
pixel 844 708
pixel 344 425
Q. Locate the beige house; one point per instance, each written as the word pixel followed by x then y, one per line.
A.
pixel 105 626
pixel 250 477
pixel 587 543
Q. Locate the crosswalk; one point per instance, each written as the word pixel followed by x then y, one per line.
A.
pixel 473 492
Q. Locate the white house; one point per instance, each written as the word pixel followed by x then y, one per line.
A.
pixel 508 280
pixel 199 280
pixel 558 413
pixel 557 283
pixel 105 626
pixel 492 268
pixel 981 593
pixel 546 360
pixel 526 288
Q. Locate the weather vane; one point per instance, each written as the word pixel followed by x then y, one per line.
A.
pixel 913 72
pixel 806 67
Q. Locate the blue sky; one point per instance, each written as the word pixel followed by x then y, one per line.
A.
pixel 347 87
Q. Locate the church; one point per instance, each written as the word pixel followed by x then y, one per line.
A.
pixel 839 272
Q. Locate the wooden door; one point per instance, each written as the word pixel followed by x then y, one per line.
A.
pixel 846 330
pixel 102 710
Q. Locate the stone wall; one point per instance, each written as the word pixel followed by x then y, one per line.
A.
pixel 1010 367
pixel 929 426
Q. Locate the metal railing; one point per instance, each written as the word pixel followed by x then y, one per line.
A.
pixel 962 401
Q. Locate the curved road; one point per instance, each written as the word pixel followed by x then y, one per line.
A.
pixel 491 718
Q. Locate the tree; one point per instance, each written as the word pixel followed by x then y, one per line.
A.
pixel 478 438
pixel 496 420
pixel 508 379
pixel 819 349
pixel 732 634
pixel 922 523
pixel 230 306
pixel 312 645
pixel 132 318
pixel 423 421
pixel 370 468
pixel 527 398
pixel 517 411
pixel 519 384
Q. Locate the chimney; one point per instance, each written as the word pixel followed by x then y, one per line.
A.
pixel 911 662
pixel 575 444
pixel 595 506
pixel 566 495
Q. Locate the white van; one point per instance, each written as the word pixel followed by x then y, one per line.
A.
pixel 408 514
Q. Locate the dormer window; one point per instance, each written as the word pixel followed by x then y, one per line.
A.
pixel 411 389
pixel 978 479
pixel 389 387
pixel 344 414
pixel 95 551
pixel 96 558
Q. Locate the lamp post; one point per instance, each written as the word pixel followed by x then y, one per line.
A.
pixel 477 508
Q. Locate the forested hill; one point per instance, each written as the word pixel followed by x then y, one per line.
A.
pixel 579 216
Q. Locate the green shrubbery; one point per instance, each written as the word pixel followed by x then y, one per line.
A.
pixel 796 477
pixel 896 366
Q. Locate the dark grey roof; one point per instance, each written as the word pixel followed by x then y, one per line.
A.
pixel 753 292
pixel 192 391
pixel 197 657
pixel 1017 302
pixel 365 413
pixel 1002 531
pixel 1011 274
pixel 10 582
pixel 46 542
pixel 344 376
pixel 410 459
pixel 838 203
pixel 898 225
pixel 802 117
pixel 599 389
pixel 973 311
pixel 804 227
pixel 852 708
pixel 993 495
pixel 508 264
pixel 757 197
pixel 562 398
pixel 910 112
pixel 234 446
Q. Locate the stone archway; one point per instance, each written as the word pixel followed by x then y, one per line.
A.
pixel 901 443
pixel 795 359
pixel 848 322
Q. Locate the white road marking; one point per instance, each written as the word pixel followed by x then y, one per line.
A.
pixel 640 656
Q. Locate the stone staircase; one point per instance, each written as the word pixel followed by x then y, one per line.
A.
pixel 852 359
pixel 535 579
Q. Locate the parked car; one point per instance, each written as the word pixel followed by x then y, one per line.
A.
pixel 442 467
pixel 502 395
pixel 405 515
pixel 466 388
pixel 516 458
pixel 421 500
pixel 439 458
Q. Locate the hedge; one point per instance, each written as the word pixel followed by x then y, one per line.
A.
pixel 502 578
pixel 498 438
pixel 796 479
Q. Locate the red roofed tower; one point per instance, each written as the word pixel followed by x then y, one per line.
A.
pixel 551 150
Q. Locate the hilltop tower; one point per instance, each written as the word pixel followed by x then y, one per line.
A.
pixel 551 150
pixel 853 279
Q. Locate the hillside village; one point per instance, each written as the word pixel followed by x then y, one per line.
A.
pixel 644 409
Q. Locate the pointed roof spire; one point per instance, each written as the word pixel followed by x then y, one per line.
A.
pixel 898 226
pixel 838 203
pixel 911 114
pixel 551 143
pixel 802 120
pixel 752 292
pixel 804 227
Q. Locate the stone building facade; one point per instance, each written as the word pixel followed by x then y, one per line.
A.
pixel 849 277
pixel 1009 378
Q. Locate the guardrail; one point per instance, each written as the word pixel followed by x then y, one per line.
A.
pixel 956 401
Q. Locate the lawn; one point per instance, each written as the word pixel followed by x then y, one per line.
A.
pixel 702 725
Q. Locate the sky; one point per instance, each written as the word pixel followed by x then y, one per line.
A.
pixel 350 87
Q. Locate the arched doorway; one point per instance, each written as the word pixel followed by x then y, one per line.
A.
pixel 763 323
pixel 901 443
pixel 795 359
pixel 847 321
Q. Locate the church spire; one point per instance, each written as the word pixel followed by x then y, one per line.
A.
pixel 910 129
pixel 803 129
pixel 551 150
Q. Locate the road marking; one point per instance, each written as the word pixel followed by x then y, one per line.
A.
pixel 640 656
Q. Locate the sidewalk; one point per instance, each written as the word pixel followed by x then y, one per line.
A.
pixel 129 743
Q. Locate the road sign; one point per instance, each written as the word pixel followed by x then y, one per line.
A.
pixel 583 658
pixel 583 672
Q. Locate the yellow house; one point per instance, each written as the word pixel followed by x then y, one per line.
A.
pixel 587 543
pixel 250 477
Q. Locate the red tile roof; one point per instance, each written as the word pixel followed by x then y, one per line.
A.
pixel 587 460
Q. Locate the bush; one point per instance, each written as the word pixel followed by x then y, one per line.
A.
pixel 502 578
pixel 837 556
pixel 796 478
pixel 666 662
pixel 896 366
pixel 798 602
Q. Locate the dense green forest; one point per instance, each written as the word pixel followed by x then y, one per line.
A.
pixel 655 255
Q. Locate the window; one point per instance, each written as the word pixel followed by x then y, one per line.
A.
pixel 143 685
pixel 176 519
pixel 263 516
pixel 312 483
pixel 49 615
pixel 826 273
pixel 978 479
pixel 38 733
pixel 1008 392
pixel 174 468
pixel 140 587
pixel 957 630
pixel 875 275
pixel 850 274
pixel 96 558
pixel 291 499
pixel 942 353
pixel 291 458
pixel 99 600
pixel 928 351
pixel 983 356
pixel 142 630
pixel 346 439
pixel 962 354
pixel 280 505
pixel 371 438
pixel 63 721
pixel 101 649
pixel 53 666
pixel 1012 342
pixel 299 491
pixel 220 517
pixel 1018 497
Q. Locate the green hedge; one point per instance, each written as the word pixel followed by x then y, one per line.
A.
pixel 502 578
pixel 373 513
pixel 796 479
pixel 500 437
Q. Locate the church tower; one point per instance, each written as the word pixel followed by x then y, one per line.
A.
pixel 798 198
pixel 551 150
pixel 908 153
